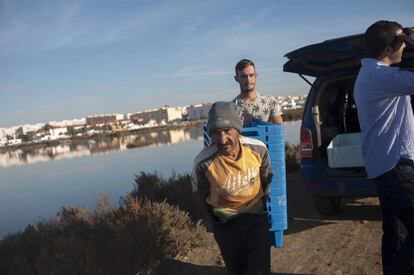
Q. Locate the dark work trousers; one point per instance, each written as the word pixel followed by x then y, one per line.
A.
pixel 396 195
pixel 244 242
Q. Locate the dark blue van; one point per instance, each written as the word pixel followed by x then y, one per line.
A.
pixel 330 111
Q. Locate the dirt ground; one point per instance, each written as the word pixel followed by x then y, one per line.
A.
pixel 346 243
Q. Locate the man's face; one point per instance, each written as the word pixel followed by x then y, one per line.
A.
pixel 396 55
pixel 227 140
pixel 246 79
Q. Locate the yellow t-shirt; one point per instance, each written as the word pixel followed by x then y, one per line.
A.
pixel 233 186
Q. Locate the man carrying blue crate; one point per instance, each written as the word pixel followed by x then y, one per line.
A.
pixel 252 105
pixel 231 178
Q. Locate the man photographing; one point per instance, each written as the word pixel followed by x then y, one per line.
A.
pixel 382 95
pixel 231 178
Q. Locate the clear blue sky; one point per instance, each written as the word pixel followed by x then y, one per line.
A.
pixel 68 59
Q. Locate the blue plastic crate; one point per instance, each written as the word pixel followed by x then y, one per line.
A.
pixel 273 137
pixel 278 168
pixel 274 226
pixel 277 236
pixel 267 139
pixel 278 181
pixel 278 190
pixel 263 128
pixel 276 149
pixel 276 203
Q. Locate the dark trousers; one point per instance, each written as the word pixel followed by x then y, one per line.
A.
pixel 396 195
pixel 244 242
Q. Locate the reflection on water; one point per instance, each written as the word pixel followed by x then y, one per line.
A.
pixel 104 144
pixel 107 144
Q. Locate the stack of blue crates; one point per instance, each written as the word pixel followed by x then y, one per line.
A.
pixel 273 136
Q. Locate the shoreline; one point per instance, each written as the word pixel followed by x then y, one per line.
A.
pixel 70 140
pixel 288 116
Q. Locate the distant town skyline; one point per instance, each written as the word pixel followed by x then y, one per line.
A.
pixel 71 59
pixel 81 120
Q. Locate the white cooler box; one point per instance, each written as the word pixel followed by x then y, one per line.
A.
pixel 345 151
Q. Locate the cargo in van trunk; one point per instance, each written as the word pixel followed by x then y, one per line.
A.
pixel 345 151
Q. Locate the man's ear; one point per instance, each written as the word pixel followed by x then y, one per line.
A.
pixel 388 51
pixel 236 78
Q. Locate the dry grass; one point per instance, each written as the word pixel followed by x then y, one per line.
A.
pixel 292 155
pixel 130 239
pixel 176 191
pixel 292 114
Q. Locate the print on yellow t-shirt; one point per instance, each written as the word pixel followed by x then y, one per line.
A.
pixel 235 184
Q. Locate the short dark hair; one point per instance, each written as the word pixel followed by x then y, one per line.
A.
pixel 380 35
pixel 244 63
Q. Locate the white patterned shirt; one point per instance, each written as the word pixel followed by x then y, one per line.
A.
pixel 262 108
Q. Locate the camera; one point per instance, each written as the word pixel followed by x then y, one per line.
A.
pixel 407 31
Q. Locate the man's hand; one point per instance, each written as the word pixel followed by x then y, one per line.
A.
pixel 276 120
pixel 247 118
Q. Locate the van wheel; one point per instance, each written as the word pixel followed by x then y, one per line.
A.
pixel 327 205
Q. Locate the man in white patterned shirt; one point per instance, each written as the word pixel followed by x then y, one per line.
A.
pixel 252 105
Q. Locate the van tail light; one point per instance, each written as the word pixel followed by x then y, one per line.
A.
pixel 306 143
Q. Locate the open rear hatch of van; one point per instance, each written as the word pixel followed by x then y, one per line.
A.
pixel 338 54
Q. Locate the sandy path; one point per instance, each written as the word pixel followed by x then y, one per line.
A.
pixel 347 243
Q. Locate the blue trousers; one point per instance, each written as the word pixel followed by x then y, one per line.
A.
pixel 244 242
pixel 396 195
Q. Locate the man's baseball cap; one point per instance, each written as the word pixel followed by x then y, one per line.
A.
pixel 223 114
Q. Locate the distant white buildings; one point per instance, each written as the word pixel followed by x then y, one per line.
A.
pixel 199 111
pixel 104 119
pixel 137 117
pixel 169 114
pixel 156 116
pixel 58 132
pixel 69 122
pixel 48 137
pixel 291 102
pixel 24 129
pixel 4 132
pixel 95 124
pixel 14 141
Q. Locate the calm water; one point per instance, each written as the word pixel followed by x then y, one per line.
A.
pixel 35 184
